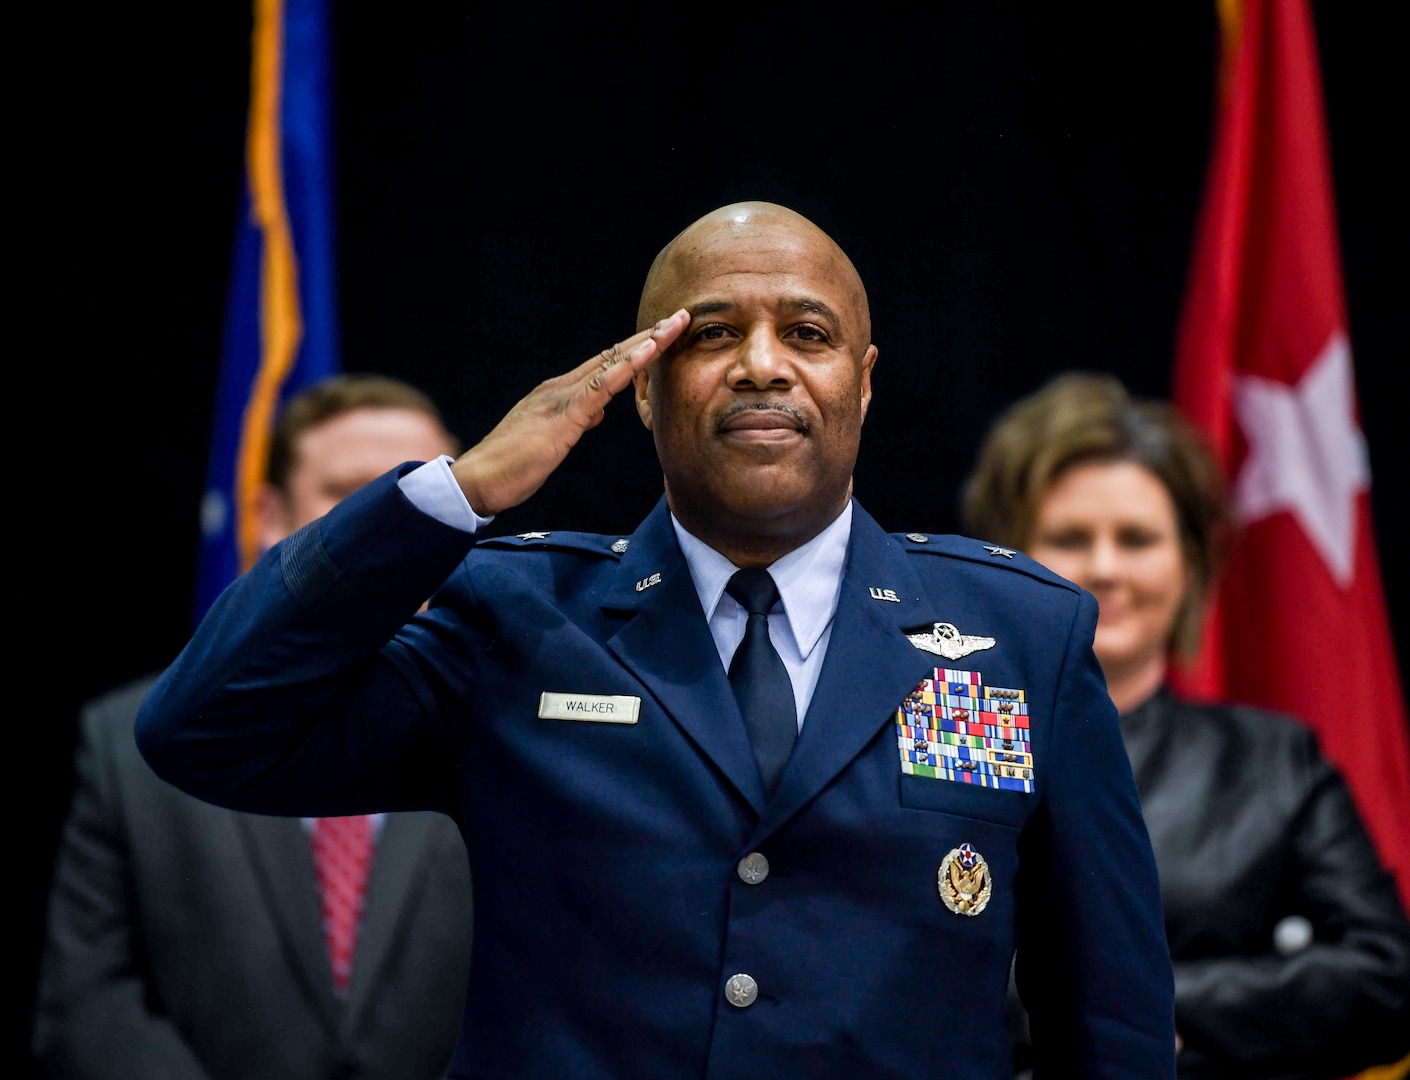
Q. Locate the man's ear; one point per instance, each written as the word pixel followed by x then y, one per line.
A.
pixel 868 361
pixel 642 383
pixel 272 512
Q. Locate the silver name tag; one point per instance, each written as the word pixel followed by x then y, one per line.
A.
pixel 603 709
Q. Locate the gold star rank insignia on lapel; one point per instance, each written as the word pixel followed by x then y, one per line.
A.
pixel 944 639
pixel 964 881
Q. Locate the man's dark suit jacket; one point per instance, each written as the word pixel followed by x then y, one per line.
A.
pixel 185 941
pixel 616 896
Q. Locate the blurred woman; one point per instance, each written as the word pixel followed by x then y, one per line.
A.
pixel 1290 948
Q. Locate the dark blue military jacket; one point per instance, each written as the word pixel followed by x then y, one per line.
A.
pixel 641 910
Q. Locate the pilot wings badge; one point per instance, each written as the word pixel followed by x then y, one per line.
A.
pixel 965 885
pixel 943 639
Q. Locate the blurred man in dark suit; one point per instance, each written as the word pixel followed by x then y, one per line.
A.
pixel 191 942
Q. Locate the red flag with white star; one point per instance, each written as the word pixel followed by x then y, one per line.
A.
pixel 1264 365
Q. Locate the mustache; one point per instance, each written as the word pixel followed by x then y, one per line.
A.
pixel 763 406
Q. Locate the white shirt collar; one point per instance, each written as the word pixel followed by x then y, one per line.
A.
pixel 809 578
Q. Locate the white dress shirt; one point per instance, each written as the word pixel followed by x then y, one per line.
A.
pixel 809 580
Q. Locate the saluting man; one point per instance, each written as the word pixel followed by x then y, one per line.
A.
pixel 732 804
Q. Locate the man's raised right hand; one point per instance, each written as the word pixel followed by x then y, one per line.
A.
pixel 513 461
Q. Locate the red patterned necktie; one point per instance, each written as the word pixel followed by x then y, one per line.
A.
pixel 342 856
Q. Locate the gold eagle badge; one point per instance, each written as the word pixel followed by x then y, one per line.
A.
pixel 964 881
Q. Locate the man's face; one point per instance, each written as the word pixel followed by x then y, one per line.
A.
pixel 335 458
pixel 757 409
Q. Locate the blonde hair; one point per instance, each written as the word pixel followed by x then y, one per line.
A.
pixel 1081 418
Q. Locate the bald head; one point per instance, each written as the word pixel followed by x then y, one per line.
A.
pixel 757 407
pixel 696 250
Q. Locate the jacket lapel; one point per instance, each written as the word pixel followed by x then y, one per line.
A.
pixel 397 872
pixel 869 668
pixel 667 645
pixel 279 850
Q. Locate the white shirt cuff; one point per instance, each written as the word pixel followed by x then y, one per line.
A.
pixel 432 489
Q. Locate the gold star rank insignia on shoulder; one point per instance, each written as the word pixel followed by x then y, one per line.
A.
pixel 964 881
pixel 943 639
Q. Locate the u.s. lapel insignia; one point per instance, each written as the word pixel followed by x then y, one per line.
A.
pixel 648 582
pixel 943 639
pixel 964 881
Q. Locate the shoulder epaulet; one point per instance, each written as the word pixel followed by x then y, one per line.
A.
pixel 978 551
pixel 593 543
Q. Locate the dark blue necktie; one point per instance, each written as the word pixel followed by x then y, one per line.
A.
pixel 760 680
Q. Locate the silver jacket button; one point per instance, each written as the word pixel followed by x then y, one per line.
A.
pixel 753 868
pixel 741 991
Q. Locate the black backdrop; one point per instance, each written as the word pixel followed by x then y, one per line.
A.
pixel 1017 187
